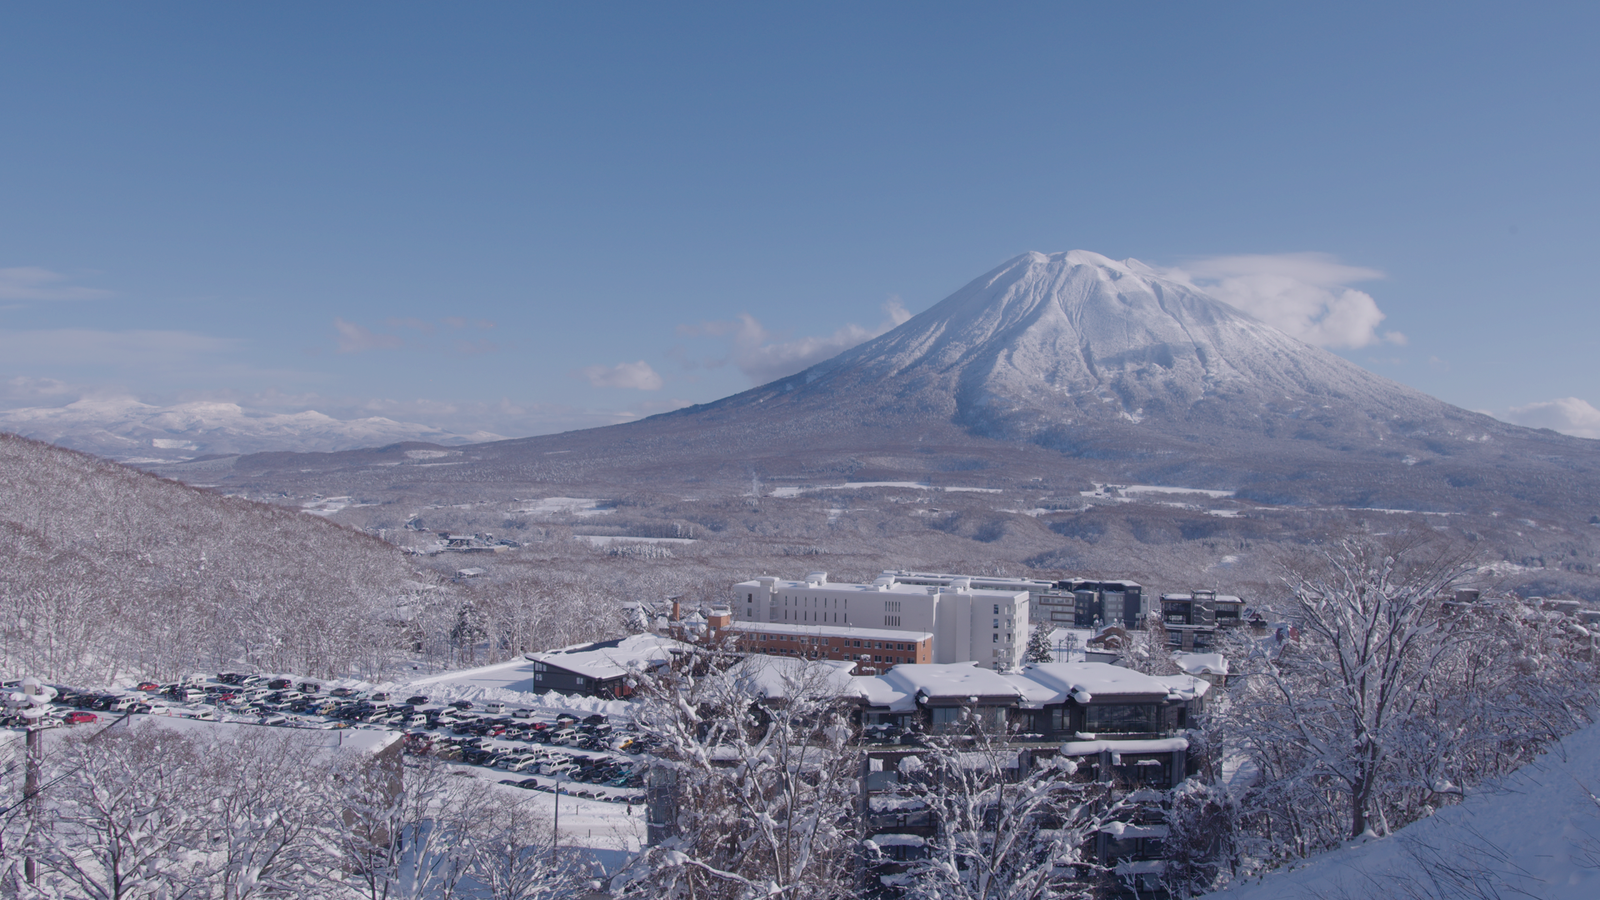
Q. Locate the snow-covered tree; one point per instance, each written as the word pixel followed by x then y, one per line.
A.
pixel 1337 706
pixel 1011 823
pixel 1039 649
pixel 117 818
pixel 765 774
pixel 515 857
pixel 404 832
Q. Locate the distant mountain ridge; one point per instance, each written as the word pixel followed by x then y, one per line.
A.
pixel 126 429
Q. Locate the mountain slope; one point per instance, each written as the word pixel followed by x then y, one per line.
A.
pixel 113 572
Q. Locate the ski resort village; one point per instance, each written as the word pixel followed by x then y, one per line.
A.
pixel 872 739
pixel 825 451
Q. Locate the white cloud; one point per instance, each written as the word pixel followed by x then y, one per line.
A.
pixel 762 356
pixel 1303 294
pixel 30 283
pixel 1568 415
pixel 353 338
pixel 636 375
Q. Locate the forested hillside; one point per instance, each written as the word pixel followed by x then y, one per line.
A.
pixel 110 572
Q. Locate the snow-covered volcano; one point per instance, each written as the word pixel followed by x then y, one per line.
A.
pixel 1075 337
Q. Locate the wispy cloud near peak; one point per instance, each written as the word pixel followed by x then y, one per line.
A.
pixel 1306 295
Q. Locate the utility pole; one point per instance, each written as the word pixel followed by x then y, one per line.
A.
pixel 555 830
pixel 30 778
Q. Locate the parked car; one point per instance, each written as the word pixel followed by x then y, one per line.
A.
pixel 81 717
pixel 342 692
pixel 418 700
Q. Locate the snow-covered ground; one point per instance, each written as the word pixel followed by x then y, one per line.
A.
pixel 602 540
pixel 1105 491
pixel 795 491
pixel 1535 834
pixel 574 506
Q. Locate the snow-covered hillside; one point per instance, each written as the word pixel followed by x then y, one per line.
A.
pixel 126 429
pixel 1536 834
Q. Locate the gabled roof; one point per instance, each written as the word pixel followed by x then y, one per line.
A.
pixel 611 659
pixel 1086 681
pixel 903 686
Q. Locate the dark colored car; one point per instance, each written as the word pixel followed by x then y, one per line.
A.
pixel 418 700
pixel 278 684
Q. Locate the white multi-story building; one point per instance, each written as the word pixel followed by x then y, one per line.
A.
pixel 989 627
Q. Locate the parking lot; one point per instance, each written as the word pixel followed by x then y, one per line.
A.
pixel 582 755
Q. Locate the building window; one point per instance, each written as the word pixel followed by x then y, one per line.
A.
pixel 1120 717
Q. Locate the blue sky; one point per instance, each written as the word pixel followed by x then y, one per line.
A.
pixel 533 217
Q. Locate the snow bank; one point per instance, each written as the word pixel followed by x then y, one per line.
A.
pixel 1536 834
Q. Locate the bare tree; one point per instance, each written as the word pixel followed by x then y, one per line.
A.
pixel 118 821
pixel 765 773
pixel 1337 705
pixel 1011 823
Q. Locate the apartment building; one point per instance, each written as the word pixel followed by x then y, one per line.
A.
pixel 968 623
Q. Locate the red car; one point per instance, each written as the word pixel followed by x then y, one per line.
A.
pixel 81 717
pixel 149 686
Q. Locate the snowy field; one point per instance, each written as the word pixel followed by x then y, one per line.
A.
pixel 1104 491
pixel 782 493
pixel 573 506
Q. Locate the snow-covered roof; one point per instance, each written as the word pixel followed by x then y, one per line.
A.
pixel 775 677
pixel 309 741
pixel 1160 745
pixel 1184 687
pixel 1220 598
pixel 1085 681
pixel 899 840
pixel 1201 663
pixel 900 687
pixel 611 659
pixel 838 631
